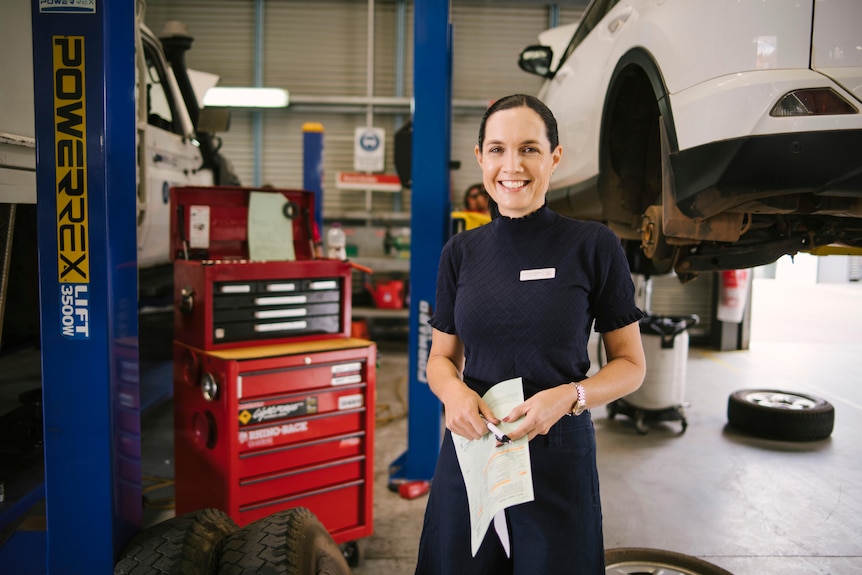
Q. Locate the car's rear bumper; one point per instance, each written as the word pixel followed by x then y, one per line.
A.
pixel 777 171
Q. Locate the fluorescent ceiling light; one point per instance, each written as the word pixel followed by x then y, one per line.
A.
pixel 246 97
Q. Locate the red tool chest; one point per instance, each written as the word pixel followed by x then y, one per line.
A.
pixel 261 429
pixel 224 300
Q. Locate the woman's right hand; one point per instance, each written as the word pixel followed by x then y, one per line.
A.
pixel 462 408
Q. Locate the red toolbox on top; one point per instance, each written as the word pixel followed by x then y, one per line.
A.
pixel 226 295
pixel 258 430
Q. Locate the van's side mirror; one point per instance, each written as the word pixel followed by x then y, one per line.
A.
pixel 536 60
pixel 213 120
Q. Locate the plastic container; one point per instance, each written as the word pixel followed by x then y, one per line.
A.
pixel 388 294
pixel 336 243
pixel 665 342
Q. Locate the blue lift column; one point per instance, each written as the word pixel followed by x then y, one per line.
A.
pixel 312 167
pixel 430 215
pixel 84 88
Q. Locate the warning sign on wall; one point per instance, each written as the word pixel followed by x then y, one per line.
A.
pixel 368 150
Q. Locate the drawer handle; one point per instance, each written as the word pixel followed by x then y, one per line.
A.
pixel 280 326
pixel 287 299
pixel 276 313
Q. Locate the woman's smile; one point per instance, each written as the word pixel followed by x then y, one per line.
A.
pixel 517 161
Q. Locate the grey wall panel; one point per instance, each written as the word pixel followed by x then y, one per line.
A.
pixel 223 31
pixel 486 43
pixel 320 48
pixel 236 145
pixel 465 130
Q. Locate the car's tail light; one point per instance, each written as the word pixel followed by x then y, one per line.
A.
pixel 812 102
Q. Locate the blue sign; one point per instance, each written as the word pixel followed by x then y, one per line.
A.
pixel 369 141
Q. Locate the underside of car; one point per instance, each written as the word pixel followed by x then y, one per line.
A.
pixel 725 205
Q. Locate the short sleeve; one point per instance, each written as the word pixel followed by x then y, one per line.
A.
pixel 443 316
pixel 613 295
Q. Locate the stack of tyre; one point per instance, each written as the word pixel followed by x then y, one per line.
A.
pixel 208 542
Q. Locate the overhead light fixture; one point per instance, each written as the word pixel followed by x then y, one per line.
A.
pixel 219 97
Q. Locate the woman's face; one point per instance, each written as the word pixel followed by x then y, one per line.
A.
pixel 517 160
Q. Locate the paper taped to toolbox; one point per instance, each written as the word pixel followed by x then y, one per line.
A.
pixel 270 232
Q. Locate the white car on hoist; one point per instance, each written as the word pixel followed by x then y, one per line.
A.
pixel 709 134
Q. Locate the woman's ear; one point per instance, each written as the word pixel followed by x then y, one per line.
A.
pixel 478 153
pixel 556 156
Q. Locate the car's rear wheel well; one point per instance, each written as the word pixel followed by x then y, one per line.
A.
pixel 629 159
pixel 630 151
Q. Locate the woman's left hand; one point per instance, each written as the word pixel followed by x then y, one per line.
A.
pixel 538 413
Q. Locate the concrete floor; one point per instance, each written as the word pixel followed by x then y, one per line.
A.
pixel 749 505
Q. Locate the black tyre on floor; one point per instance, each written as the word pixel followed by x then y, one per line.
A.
pixel 291 541
pixel 643 561
pixel 781 415
pixel 188 544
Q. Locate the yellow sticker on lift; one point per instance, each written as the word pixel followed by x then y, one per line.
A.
pixel 70 135
pixel 70 165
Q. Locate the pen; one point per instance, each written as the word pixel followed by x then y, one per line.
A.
pixel 498 433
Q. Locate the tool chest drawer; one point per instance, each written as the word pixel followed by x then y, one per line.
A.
pixel 221 305
pixel 306 429
pixel 262 462
pixel 338 508
pixel 258 301
pixel 300 405
pixel 319 374
pixel 260 429
pixel 296 481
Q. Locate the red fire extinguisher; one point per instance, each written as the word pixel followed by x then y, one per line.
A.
pixel 733 295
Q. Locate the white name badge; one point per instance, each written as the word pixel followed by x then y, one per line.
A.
pixel 540 274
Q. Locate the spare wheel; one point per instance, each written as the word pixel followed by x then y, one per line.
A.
pixel 782 415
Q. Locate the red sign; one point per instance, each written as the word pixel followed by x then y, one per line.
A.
pixel 363 181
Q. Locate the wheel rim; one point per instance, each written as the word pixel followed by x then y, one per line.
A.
pixel 643 567
pixel 779 400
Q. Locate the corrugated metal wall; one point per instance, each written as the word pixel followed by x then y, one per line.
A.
pixel 669 297
pixel 318 51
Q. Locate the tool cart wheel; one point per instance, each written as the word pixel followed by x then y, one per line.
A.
pixel 188 544
pixel 643 561
pixel 290 541
pixel 354 552
pixel 640 422
pixel 781 415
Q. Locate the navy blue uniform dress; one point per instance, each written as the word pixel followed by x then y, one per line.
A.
pixel 522 294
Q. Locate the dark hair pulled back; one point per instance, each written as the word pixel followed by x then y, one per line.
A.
pixel 519 101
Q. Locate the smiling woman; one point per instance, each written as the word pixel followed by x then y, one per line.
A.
pixel 517 159
pixel 516 298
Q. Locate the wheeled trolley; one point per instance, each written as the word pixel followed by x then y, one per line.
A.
pixel 273 400
pixel 258 430
pixel 661 397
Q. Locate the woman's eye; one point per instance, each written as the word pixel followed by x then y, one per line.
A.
pixel 494 150
pixel 529 150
